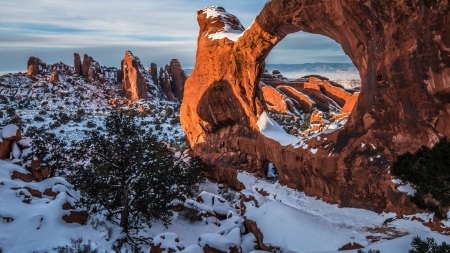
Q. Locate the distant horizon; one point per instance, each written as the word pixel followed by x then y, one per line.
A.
pixel 3 72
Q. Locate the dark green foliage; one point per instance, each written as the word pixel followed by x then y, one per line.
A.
pixel 15 120
pixel 190 214
pixel 10 111
pixel 169 112
pixel 38 118
pixel 47 148
pixel 77 246
pixel 428 245
pixel 428 170
pixel 90 124
pixel 370 251
pixel 129 174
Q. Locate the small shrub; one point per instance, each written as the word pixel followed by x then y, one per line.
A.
pixel 428 170
pixel 190 214
pixel 428 245
pixel 38 118
pixel 11 111
pixel 90 124
pixel 370 251
pixel 16 120
pixel 175 121
pixel 229 195
pixel 77 246
pixel 42 112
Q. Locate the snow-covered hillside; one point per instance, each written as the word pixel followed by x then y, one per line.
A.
pixel 263 217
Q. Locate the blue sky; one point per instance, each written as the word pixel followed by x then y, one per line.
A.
pixel 155 31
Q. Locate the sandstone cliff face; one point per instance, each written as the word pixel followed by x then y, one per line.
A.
pixel 400 50
pixel 134 85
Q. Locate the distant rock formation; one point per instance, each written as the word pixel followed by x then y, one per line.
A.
pixel 134 85
pixel 35 66
pixel 77 64
pixel 92 70
pixel 154 72
pixel 166 85
pixel 178 78
pixel 403 104
pixel 54 78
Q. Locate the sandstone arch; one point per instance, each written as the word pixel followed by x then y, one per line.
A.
pixel 402 51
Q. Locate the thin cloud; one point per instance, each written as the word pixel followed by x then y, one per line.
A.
pixel 154 30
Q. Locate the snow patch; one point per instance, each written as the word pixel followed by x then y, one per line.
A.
pixel 270 128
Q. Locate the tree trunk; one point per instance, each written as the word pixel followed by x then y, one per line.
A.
pixel 124 213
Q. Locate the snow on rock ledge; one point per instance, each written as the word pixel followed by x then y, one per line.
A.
pixel 222 24
pixel 11 132
pixel 166 242
pixel 269 128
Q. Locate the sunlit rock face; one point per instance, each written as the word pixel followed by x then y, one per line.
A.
pixel 401 51
pixel 134 85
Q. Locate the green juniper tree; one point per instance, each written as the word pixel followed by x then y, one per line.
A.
pixel 47 148
pixel 428 169
pixel 130 175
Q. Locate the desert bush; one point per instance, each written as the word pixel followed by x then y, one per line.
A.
pixel 190 214
pixel 370 251
pixel 38 118
pixel 90 124
pixel 428 170
pixel 77 246
pixel 428 245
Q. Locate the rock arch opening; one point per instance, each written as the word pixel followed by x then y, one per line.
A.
pixel 401 52
pixel 309 85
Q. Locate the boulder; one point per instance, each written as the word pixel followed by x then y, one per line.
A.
pixel 403 104
pixel 166 242
pixel 79 217
pixel 134 85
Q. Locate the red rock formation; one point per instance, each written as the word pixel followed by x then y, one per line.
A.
pixel 134 85
pixel 336 93
pixel 154 73
pixel 305 102
pixel 164 80
pixel 35 66
pixel 92 70
pixel 54 77
pixel 400 50
pixel 350 104
pixel 77 64
pixel 178 78
pixel 276 101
